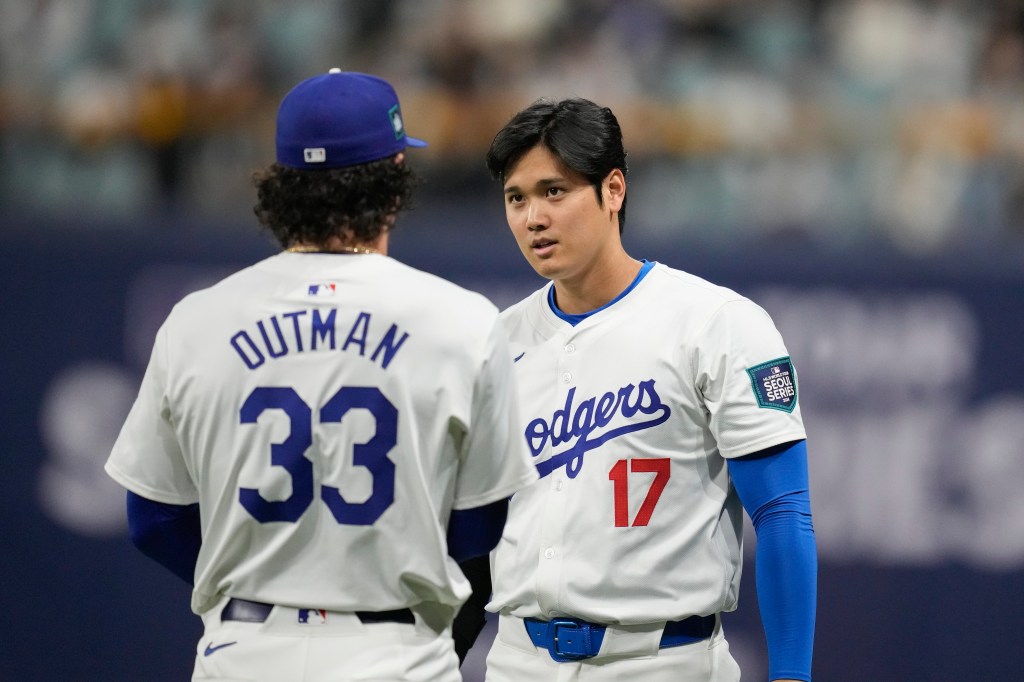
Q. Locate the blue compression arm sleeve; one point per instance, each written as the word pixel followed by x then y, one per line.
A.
pixel 773 487
pixel 169 534
pixel 474 532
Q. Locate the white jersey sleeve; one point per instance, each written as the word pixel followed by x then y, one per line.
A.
pixel 493 429
pixel 746 379
pixel 147 457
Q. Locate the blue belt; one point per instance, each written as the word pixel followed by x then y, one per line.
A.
pixel 572 639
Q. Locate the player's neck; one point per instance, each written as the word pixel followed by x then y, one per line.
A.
pixel 596 286
pixel 336 244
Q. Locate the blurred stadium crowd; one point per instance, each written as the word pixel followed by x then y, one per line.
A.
pixel 840 121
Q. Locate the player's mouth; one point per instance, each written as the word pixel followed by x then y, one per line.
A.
pixel 543 246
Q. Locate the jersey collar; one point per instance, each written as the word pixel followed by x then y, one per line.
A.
pixel 576 319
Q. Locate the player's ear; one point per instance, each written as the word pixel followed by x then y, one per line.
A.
pixel 614 190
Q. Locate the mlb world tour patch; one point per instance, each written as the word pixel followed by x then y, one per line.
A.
pixel 774 384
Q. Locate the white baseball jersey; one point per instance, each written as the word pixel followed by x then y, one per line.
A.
pixel 327 412
pixel 630 416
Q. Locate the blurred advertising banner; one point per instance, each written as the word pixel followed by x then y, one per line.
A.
pixel 911 380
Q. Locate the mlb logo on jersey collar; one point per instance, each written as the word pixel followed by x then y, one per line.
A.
pixel 774 384
pixel 313 616
pixel 322 289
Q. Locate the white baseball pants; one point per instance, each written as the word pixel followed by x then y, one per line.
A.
pixel 514 658
pixel 328 648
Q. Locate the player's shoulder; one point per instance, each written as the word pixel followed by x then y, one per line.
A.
pixel 693 289
pixel 442 313
pixel 698 299
pixel 522 306
pixel 389 276
pixel 412 284
pixel 205 299
pixel 528 312
pixel 711 308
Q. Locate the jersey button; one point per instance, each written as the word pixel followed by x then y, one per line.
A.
pixel 566 378
pixel 558 485
pixel 571 348
pixel 548 553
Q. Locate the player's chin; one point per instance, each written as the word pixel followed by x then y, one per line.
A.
pixel 543 264
pixel 548 269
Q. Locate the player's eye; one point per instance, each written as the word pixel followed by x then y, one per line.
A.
pixel 515 198
pixel 554 191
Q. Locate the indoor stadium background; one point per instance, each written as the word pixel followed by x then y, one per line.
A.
pixel 855 166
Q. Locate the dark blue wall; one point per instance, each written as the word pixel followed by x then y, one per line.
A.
pixel 912 386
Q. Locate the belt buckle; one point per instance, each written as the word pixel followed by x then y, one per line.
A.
pixel 574 635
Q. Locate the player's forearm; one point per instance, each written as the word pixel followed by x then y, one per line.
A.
pixel 773 486
pixel 472 617
pixel 786 589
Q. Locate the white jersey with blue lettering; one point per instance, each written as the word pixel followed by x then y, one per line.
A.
pixel 630 416
pixel 327 412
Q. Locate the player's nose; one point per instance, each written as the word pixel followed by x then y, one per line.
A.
pixel 536 217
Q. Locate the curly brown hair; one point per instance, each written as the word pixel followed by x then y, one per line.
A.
pixel 357 202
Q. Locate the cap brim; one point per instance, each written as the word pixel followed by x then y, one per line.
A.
pixel 414 142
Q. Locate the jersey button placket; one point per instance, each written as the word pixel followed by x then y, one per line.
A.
pixel 557 511
pixel 565 370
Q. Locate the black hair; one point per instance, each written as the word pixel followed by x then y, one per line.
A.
pixel 357 202
pixel 585 137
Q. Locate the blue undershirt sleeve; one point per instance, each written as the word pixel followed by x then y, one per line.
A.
pixel 170 534
pixel 474 532
pixel 773 488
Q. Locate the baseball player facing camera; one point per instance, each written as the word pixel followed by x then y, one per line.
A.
pixel 321 437
pixel 657 407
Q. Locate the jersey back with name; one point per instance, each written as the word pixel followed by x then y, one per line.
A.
pixel 327 412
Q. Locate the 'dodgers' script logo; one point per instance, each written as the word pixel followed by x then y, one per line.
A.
pixel 583 423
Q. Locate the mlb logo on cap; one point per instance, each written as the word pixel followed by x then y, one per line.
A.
pixel 340 119
pixel 316 155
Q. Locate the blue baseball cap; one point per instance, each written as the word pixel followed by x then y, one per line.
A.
pixel 339 119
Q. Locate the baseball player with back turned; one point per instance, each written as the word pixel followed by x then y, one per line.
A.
pixel 657 407
pixel 321 437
